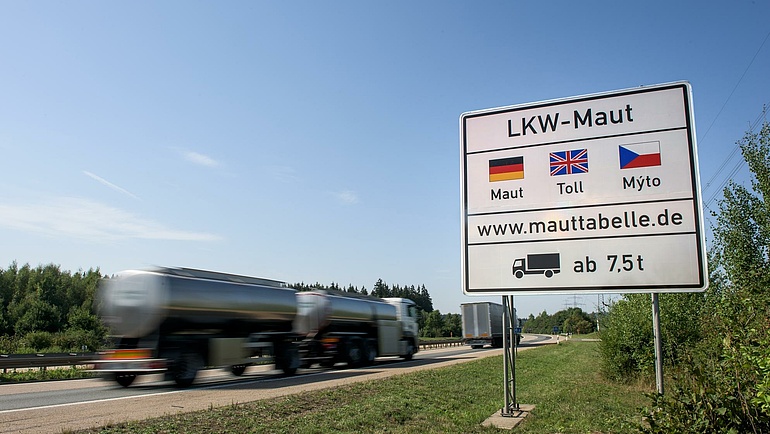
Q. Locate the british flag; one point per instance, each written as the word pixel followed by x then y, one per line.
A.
pixel 569 162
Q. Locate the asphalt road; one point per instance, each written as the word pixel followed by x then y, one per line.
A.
pixel 52 407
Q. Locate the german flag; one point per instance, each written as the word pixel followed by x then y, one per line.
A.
pixel 506 169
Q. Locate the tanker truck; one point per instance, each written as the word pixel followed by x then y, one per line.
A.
pixel 176 321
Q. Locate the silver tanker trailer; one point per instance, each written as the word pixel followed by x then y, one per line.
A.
pixel 354 329
pixel 177 321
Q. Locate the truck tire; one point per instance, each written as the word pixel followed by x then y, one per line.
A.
pixel 287 359
pixel 519 274
pixel 238 370
pixel 370 352
pixel 125 380
pixel 409 351
pixel 354 352
pixel 186 368
pixel 549 273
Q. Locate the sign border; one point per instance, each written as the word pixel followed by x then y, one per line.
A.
pixel 694 174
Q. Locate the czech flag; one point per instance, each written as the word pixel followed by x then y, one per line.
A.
pixel 506 169
pixel 635 155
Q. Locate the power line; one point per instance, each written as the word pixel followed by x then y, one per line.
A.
pixel 739 165
pixel 736 86
pixel 732 155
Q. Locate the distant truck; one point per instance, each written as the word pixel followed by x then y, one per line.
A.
pixel 483 324
pixel 537 263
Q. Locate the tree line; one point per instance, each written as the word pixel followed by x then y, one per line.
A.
pixel 47 308
pixel 419 294
pixel 572 320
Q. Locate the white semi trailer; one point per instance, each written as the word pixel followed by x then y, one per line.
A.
pixel 177 321
pixel 483 324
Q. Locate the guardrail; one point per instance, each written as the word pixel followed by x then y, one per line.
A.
pixel 425 345
pixel 17 361
pixel 14 361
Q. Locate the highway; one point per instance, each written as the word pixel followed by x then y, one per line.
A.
pixel 76 404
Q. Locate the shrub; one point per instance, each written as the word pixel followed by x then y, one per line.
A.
pixel 627 345
pixel 38 341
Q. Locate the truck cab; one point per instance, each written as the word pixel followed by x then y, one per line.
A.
pixel 406 314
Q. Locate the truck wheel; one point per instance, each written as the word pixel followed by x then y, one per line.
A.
pixel 519 274
pixel 549 273
pixel 288 360
pixel 187 367
pixel 370 352
pixel 125 380
pixel 354 352
pixel 238 370
pixel 409 352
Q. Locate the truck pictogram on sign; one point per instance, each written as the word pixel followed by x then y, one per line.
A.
pixel 547 264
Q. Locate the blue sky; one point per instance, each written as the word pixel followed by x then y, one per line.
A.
pixel 318 141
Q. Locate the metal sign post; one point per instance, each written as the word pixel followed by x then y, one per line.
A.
pixel 511 406
pixel 658 343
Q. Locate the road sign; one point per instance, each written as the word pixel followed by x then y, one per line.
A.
pixel 594 193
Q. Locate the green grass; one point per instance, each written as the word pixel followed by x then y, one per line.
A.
pixel 561 380
pixel 37 374
pixel 594 335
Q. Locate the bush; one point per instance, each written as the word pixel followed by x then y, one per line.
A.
pixel 79 340
pixel 38 341
pixel 628 342
pixel 725 393
pixel 8 345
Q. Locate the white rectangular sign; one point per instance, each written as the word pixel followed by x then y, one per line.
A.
pixel 596 193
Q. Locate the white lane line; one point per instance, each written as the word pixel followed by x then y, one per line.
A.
pixel 119 398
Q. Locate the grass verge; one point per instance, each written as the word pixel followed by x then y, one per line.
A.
pixel 561 380
pixel 37 374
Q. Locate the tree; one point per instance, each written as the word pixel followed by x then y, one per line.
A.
pixel 453 325
pixel 37 305
pixel 578 322
pixel 434 324
pixel 380 289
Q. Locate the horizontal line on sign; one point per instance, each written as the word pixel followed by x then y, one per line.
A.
pixel 606 237
pixel 593 205
pixel 612 289
pixel 663 130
